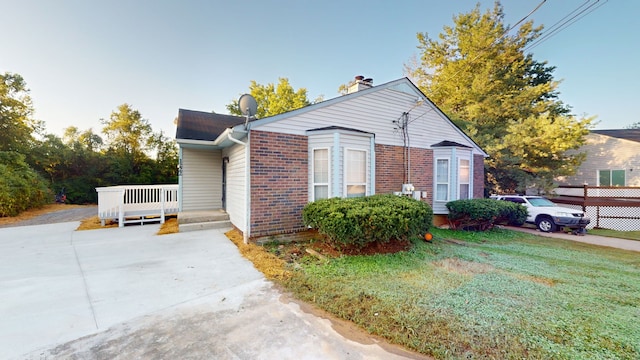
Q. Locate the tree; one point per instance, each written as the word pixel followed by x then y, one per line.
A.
pixel 127 131
pixel 86 139
pixel 478 72
pixel 166 162
pixel 635 125
pixel 128 137
pixel 21 187
pixel 274 100
pixel 16 123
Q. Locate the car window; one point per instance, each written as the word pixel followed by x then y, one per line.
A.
pixel 515 200
pixel 540 202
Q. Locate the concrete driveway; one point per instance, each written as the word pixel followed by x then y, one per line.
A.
pixel 128 293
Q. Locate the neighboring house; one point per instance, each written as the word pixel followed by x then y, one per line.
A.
pixel 263 172
pixel 613 159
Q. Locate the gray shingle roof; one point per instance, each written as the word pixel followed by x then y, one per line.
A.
pixel 449 143
pixel 200 125
pixel 627 134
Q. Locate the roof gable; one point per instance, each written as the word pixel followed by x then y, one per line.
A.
pixel 392 99
pixel 403 84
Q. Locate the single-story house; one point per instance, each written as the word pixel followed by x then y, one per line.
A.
pixel 388 138
pixel 613 159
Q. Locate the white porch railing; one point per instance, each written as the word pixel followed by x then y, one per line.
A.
pixel 136 203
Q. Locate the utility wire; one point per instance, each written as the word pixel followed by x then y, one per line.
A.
pixel 564 23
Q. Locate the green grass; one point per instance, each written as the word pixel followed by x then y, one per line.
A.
pixel 498 294
pixel 629 235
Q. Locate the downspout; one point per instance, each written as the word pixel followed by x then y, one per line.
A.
pixel 247 183
pixel 372 152
pixel 180 178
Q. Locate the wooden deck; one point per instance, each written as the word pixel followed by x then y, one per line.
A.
pixel 137 203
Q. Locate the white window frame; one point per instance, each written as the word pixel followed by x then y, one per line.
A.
pixel 611 176
pixel 345 170
pixel 460 182
pixel 448 183
pixel 313 178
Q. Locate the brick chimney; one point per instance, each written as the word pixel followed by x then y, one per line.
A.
pixel 360 83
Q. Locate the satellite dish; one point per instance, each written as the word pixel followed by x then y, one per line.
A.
pixel 248 105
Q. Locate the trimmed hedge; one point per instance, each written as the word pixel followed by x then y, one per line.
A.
pixel 484 214
pixel 360 221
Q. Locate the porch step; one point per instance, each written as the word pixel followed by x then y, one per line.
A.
pixel 206 225
pixel 193 217
pixel 203 220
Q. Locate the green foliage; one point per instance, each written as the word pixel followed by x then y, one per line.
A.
pixel 507 296
pixel 80 161
pixel 272 99
pixel 479 73
pixel 360 221
pixel 127 131
pixel 483 214
pixel 21 188
pixel 16 124
pixel 512 213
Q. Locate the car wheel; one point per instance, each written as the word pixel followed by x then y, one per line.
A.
pixel 546 224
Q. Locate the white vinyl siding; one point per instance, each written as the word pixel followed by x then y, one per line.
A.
pixel 374 112
pixel 201 179
pixel 236 194
pixel 605 152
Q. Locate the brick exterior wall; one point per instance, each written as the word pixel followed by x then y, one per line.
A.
pixel 390 170
pixel 279 182
pixel 478 176
pixel 279 179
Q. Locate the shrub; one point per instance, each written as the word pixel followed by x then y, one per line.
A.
pixel 360 221
pixel 483 214
pixel 511 213
pixel 21 188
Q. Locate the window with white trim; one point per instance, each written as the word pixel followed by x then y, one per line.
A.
pixel 611 178
pixel 320 174
pixel 442 179
pixel 355 165
pixel 464 179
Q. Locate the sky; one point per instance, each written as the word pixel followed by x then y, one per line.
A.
pixel 81 59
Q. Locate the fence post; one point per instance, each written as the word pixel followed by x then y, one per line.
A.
pixel 584 198
pixel 162 205
pixel 121 210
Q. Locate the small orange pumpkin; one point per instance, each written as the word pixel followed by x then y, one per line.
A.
pixel 428 237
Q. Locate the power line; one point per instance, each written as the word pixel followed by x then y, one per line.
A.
pixel 564 23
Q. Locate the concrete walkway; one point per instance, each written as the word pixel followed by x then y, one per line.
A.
pixel 624 244
pixel 128 293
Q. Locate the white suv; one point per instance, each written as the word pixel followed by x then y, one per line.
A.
pixel 548 216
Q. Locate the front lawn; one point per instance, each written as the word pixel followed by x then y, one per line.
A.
pixel 498 294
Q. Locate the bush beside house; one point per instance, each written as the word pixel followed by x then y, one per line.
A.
pixel 484 214
pixel 360 221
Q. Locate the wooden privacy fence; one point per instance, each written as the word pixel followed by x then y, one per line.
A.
pixel 137 203
pixel 609 207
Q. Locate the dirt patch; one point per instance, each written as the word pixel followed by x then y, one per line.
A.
pixel 464 267
pixel 51 214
